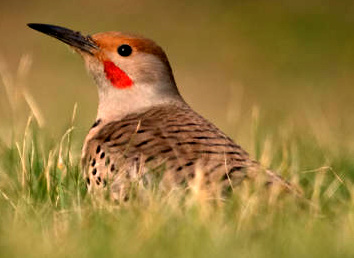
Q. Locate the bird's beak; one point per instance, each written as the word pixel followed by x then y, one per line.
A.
pixel 70 37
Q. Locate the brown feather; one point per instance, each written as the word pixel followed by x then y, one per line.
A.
pixel 173 136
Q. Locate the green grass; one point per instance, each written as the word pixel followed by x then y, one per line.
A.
pixel 46 212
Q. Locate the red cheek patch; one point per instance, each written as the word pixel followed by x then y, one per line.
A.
pixel 118 78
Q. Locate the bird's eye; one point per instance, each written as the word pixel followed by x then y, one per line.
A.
pixel 124 50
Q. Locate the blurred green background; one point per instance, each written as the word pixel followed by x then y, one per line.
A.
pixel 293 61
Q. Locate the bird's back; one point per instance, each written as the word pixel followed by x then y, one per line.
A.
pixel 171 141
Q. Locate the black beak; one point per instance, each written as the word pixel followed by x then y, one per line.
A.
pixel 70 37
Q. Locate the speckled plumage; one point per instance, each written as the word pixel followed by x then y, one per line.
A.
pixel 172 136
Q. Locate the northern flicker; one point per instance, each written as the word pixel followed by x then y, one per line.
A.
pixel 143 124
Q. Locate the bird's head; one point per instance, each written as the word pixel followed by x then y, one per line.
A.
pixel 132 72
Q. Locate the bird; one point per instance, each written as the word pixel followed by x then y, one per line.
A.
pixel 144 129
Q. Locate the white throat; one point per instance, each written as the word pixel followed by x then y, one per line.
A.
pixel 115 103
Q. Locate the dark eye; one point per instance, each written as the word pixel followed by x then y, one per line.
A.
pixel 124 50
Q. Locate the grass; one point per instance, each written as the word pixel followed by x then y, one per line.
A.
pixel 46 212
